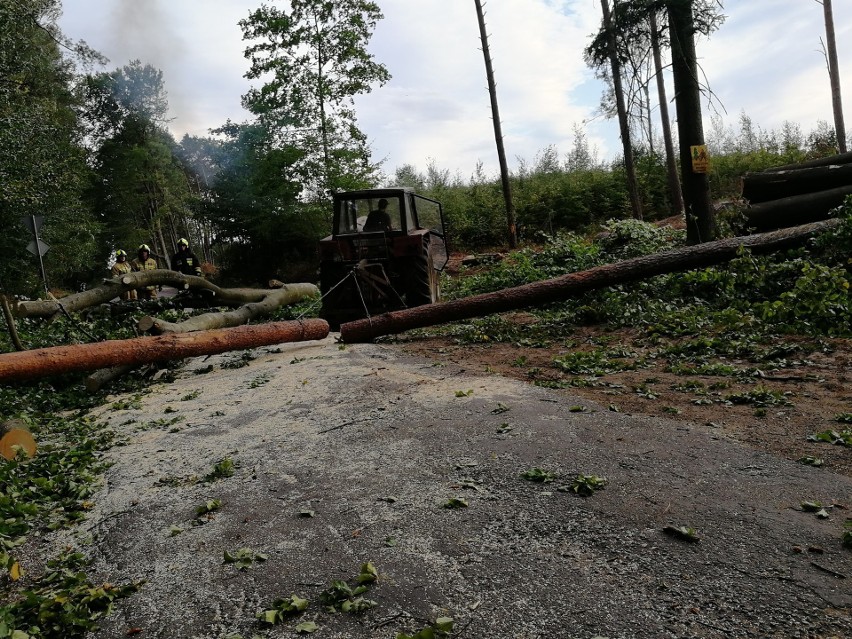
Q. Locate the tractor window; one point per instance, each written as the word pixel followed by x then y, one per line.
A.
pixel 429 215
pixel 352 214
pixel 369 215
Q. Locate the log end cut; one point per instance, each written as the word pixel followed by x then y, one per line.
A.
pixel 15 436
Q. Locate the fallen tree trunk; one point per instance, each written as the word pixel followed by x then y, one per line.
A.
pixel 842 158
pixel 764 187
pixel 272 300
pixel 795 210
pixel 574 284
pixel 110 289
pixel 57 360
pixel 113 288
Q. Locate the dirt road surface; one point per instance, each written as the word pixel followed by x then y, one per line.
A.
pixel 348 455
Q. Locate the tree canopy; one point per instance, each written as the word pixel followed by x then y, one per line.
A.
pixel 313 59
pixel 42 166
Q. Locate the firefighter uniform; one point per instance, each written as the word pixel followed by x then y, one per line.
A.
pixel 144 262
pixel 122 267
pixel 185 261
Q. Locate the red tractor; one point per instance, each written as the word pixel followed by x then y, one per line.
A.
pixel 385 253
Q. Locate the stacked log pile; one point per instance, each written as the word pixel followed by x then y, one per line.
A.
pixel 796 194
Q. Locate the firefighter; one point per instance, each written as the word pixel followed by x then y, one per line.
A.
pixel 185 261
pixel 122 267
pixel 144 262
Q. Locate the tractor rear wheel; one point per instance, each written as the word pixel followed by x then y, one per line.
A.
pixel 422 281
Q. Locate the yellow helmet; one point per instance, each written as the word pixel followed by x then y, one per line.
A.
pixel 144 247
pixel 120 253
pixel 183 242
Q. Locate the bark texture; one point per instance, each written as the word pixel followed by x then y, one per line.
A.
pixel 766 186
pixel 700 218
pixel 100 378
pixel 574 284
pixel 498 130
pixel 621 108
pixel 665 122
pixel 271 301
pixel 842 158
pixel 112 288
pixel 142 350
pixel 798 209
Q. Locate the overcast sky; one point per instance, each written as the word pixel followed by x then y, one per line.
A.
pixel 766 61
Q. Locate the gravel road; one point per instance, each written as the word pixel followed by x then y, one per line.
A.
pixel 348 455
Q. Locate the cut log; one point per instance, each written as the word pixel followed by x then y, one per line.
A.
pixel 58 360
pixel 112 288
pixel 795 210
pixel 575 284
pixel 763 187
pixel 271 301
pixel 15 435
pixel 100 378
pixel 842 158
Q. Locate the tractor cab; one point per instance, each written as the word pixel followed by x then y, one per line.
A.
pixel 385 252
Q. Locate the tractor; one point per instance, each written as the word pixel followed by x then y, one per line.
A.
pixel 385 253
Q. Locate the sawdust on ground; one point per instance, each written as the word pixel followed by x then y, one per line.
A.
pixel 348 455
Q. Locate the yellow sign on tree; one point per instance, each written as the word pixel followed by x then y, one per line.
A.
pixel 700 161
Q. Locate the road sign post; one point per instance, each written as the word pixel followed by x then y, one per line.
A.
pixel 37 247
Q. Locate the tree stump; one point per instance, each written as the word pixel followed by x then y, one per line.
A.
pixel 14 434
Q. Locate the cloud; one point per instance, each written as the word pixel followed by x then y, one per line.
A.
pixel 764 61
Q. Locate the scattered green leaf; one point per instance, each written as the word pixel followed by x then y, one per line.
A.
pixel 210 506
pixel 281 609
pixel 538 475
pixel 442 627
pixel 243 558
pixel 682 532
pixel 224 468
pixel 584 485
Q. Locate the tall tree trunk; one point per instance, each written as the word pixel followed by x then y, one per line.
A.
pixel 646 108
pixel 163 248
pixel 671 164
pixel 700 219
pixel 498 131
pixel 629 166
pixel 834 75
pixel 326 161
